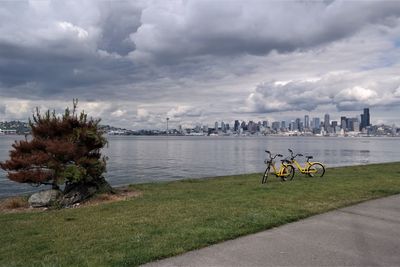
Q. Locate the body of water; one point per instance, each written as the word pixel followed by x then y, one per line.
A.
pixel 140 159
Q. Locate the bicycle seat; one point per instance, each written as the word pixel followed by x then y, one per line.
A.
pixel 309 157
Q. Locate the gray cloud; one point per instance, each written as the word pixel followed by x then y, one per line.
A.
pixel 225 28
pixel 133 63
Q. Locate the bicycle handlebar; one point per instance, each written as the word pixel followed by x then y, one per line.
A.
pixel 293 157
pixel 273 157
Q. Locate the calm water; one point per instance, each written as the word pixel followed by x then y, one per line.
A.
pixel 144 159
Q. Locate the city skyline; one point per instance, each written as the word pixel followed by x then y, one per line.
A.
pixel 347 123
pixel 135 63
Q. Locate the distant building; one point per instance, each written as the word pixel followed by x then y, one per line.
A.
pixel 297 125
pixel 283 125
pixel 343 123
pixel 243 126
pixel 223 129
pixel 236 126
pixel 276 125
pixel 317 123
pixel 306 122
pixel 6 132
pixel 365 119
pixel 327 122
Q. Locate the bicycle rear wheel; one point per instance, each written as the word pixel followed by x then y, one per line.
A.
pixel 265 176
pixel 316 170
pixel 288 173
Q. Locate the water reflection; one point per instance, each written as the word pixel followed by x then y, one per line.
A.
pixel 144 159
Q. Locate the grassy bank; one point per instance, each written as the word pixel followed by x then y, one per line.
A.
pixel 171 218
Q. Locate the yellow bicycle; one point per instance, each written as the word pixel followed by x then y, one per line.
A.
pixel 312 169
pixel 285 171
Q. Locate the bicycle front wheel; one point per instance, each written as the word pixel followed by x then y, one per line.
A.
pixel 265 176
pixel 316 170
pixel 288 173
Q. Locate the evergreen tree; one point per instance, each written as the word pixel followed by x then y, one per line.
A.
pixel 63 149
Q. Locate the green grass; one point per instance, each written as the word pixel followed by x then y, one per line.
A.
pixel 171 218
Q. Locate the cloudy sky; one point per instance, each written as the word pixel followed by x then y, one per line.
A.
pixel 134 63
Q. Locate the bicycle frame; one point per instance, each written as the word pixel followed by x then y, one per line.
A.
pixel 304 170
pixel 280 172
pixel 307 164
pixel 285 171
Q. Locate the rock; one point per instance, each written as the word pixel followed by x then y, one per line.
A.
pixel 44 198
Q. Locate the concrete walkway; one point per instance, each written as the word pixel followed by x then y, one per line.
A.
pixel 367 234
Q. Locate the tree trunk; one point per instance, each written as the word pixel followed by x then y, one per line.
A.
pixel 78 192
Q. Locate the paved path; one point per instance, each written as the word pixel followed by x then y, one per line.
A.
pixel 367 234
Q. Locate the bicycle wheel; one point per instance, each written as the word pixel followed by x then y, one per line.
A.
pixel 316 170
pixel 288 173
pixel 265 176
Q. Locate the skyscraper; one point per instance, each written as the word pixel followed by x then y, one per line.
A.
pixel 343 122
pixel 283 125
pixel 316 123
pixel 365 120
pixel 297 124
pixel 306 122
pixel 326 122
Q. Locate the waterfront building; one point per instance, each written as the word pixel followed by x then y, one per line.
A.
pixel 216 126
pixel 5 132
pixel 265 124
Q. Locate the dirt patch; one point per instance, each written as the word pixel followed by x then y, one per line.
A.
pixel 20 204
pixel 121 193
pixel 14 204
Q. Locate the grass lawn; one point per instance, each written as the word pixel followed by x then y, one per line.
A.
pixel 174 217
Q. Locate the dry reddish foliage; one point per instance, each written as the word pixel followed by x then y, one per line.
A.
pixel 63 149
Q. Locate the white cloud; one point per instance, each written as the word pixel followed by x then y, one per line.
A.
pixel 357 93
pixel 118 113
pixel 70 28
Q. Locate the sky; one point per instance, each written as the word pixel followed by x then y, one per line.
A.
pixel 135 63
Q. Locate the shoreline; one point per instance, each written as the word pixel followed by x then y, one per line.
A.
pixel 27 193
